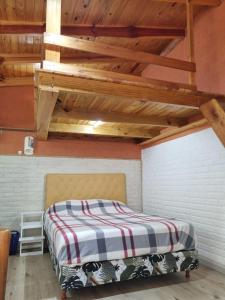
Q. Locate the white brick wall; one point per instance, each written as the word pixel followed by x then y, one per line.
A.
pixel 185 178
pixel 22 181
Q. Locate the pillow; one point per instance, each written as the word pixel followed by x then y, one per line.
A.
pixel 88 207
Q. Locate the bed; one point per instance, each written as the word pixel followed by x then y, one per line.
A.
pixel 94 238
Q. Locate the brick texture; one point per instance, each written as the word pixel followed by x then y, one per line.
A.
pixel 22 181
pixel 185 179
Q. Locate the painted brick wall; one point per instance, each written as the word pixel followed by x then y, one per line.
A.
pixel 22 181
pixel 185 178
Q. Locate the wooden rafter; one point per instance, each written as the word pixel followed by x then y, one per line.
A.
pixel 196 2
pixel 202 123
pixel 61 116
pixel 162 32
pixel 33 58
pixel 79 79
pixel 215 115
pixel 17 81
pixel 118 131
pixel 45 105
pixel 115 51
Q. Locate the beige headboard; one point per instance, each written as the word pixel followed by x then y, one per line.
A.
pixel 60 187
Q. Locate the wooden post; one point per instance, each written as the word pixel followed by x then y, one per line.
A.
pixel 53 25
pixel 215 115
pixel 4 253
pixel 190 38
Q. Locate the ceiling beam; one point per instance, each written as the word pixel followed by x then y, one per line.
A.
pixel 74 79
pixel 118 131
pixel 62 116
pixel 33 58
pixel 113 76
pixel 45 105
pixel 215 115
pixel 162 32
pixel 195 2
pixel 115 51
pixel 170 133
pixel 17 81
pixel 53 26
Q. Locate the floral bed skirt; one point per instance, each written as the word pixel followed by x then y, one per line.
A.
pixel 97 273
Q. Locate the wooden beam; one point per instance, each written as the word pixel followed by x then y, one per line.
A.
pixel 33 58
pixel 17 81
pixel 118 131
pixel 196 2
pixel 61 116
pixel 162 32
pixel 45 105
pixel 53 25
pixel 190 38
pixel 114 51
pixel 215 115
pixel 107 83
pixel 174 132
pixel 113 76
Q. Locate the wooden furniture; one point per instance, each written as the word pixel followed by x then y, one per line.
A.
pixel 4 253
pixel 31 244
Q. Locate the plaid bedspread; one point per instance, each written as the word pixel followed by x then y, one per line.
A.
pixel 99 230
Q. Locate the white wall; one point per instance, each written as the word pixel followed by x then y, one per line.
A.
pixel 185 178
pixel 22 181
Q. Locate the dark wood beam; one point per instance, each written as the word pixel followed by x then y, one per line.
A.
pixel 33 58
pixel 162 32
pixel 55 41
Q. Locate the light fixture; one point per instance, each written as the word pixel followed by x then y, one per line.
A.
pixel 95 124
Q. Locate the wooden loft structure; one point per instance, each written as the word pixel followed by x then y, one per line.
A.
pixel 89 78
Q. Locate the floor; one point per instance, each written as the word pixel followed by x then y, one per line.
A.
pixel 32 278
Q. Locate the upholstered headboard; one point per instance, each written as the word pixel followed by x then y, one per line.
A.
pixel 60 187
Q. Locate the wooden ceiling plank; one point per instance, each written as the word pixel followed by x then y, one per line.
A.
pixel 17 81
pixel 61 115
pixel 161 32
pixel 45 105
pixel 215 115
pixel 173 132
pixel 196 2
pixel 51 39
pixel 33 58
pixel 119 131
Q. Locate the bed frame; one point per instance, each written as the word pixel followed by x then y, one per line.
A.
pixel 60 187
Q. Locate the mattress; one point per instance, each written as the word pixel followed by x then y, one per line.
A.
pixel 82 231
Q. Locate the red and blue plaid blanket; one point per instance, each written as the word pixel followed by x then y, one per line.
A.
pixel 81 231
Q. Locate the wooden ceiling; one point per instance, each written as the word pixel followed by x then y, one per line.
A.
pixel 147 26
